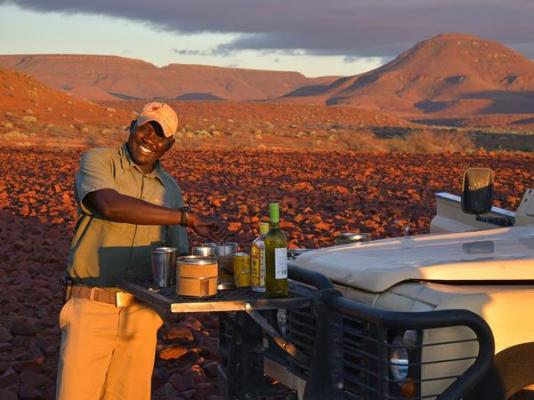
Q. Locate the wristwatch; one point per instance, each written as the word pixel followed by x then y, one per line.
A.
pixel 184 220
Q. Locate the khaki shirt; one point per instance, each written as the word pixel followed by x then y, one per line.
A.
pixel 103 252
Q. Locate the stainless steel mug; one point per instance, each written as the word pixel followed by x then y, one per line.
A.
pixel 164 266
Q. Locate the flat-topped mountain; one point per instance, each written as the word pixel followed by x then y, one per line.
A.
pixel 451 74
pixel 117 78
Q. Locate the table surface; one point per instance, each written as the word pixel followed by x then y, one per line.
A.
pixel 236 299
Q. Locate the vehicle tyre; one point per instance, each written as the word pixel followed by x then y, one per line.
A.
pixel 512 370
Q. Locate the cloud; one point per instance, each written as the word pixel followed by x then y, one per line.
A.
pixel 188 52
pixel 363 28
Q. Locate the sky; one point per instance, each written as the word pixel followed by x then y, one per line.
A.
pixel 314 37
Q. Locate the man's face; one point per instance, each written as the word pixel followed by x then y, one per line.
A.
pixel 147 145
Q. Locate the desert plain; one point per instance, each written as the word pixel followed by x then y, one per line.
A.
pixel 335 162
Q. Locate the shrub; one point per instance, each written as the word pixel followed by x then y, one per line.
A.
pixel 427 141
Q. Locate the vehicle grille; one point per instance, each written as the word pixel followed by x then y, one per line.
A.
pixel 301 329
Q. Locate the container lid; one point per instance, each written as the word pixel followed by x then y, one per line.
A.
pixel 198 260
pixel 354 237
pixel 164 249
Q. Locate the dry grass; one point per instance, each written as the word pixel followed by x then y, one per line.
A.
pixel 420 141
pixel 427 141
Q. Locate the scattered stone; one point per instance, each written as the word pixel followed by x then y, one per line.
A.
pixel 29 392
pixel 8 378
pixel 29 119
pixel 5 336
pixel 23 327
pixel 172 352
pixel 178 333
pixel 33 378
pixel 7 395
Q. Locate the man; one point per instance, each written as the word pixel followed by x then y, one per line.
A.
pixel 126 204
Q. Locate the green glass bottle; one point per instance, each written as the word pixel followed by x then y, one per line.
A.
pixel 275 256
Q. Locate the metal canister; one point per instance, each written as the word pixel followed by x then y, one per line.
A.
pixel 225 255
pixel 242 269
pixel 163 266
pixel 349 237
pixel 196 276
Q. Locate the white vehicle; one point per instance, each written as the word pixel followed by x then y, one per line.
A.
pixel 443 315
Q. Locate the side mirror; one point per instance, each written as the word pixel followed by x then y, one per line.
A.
pixel 477 190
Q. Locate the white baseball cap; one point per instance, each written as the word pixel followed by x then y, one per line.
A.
pixel 161 113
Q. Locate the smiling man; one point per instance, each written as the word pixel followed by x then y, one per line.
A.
pixel 126 203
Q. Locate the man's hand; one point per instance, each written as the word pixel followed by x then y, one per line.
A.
pixel 209 227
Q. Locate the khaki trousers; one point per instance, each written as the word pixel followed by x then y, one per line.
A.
pixel 106 352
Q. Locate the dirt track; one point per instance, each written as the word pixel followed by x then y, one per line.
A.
pixel 321 194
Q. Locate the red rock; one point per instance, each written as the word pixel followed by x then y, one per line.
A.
pixel 178 333
pixel 234 226
pixel 5 335
pixel 8 378
pixel 166 390
pixel 24 327
pixel 210 369
pixel 7 395
pixel 29 392
pixel 172 352
pixel 33 378
pixel 322 226
pixel 181 382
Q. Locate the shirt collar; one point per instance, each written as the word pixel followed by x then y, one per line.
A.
pixel 128 163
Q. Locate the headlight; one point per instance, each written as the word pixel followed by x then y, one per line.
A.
pixel 399 355
pixel 398 360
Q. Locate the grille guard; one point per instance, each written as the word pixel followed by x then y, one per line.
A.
pixel 353 342
pixel 349 345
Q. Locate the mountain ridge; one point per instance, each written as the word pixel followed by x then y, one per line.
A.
pixel 108 77
pixel 449 73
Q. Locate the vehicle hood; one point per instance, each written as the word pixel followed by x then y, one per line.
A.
pixel 504 254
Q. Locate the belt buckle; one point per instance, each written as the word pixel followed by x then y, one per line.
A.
pixel 123 299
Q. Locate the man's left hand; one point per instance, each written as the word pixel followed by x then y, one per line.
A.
pixel 209 227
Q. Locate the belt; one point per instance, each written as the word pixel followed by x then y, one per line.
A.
pixel 118 299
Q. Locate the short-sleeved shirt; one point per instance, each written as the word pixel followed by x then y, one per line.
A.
pixel 102 251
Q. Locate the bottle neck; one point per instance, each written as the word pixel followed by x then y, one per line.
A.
pixel 274 225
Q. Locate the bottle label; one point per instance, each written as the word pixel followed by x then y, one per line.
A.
pixel 257 270
pixel 280 263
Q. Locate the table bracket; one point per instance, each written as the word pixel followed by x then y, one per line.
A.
pixel 288 347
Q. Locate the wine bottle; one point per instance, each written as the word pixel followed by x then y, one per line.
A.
pixel 275 256
pixel 257 260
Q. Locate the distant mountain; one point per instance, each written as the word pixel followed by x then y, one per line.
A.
pixel 450 74
pixel 25 98
pixel 118 78
pixel 33 113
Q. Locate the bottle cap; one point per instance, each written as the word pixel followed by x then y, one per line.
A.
pixel 274 212
pixel 264 228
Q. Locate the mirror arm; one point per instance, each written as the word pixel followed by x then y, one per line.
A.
pixel 499 221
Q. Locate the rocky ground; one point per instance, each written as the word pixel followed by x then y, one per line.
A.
pixel 321 195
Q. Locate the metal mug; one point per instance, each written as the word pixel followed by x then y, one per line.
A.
pixel 164 266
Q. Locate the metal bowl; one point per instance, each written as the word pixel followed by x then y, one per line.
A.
pixel 205 251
